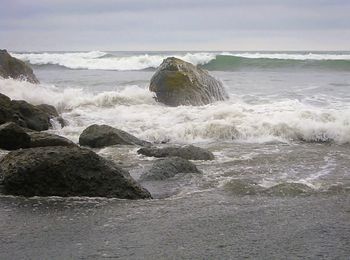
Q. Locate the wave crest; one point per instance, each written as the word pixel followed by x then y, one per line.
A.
pixel 97 60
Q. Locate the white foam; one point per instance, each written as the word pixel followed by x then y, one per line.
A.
pixel 290 56
pixel 134 110
pixel 95 60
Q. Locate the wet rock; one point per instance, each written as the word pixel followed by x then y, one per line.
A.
pixel 52 112
pixel 289 189
pixel 11 67
pixel 66 171
pixel 169 167
pixel 189 152
pixel 23 114
pixel 242 187
pixel 48 109
pixel 13 137
pixel 177 82
pixel 43 139
pixel 96 136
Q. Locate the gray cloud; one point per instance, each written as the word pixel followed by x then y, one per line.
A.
pixel 180 25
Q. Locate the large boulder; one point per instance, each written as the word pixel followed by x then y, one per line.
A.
pixel 11 67
pixel 23 114
pixel 97 136
pixel 177 82
pixel 189 152
pixel 167 168
pixel 66 171
pixel 13 137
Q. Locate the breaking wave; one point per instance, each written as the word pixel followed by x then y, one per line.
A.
pixel 225 61
pixel 133 109
pixel 97 60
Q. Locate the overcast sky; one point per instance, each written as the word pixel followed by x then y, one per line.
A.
pixel 38 25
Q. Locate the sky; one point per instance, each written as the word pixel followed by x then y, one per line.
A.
pixel 140 25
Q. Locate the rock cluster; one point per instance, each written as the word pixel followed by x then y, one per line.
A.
pixel 44 164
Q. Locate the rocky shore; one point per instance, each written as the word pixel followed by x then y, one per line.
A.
pixel 45 164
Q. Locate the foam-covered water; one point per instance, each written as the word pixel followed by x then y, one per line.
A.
pixel 250 117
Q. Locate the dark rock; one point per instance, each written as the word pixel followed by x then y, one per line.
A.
pixel 103 135
pixel 169 167
pixel 189 152
pixel 242 187
pixel 66 171
pixel 289 189
pixel 23 114
pixel 42 139
pixel 48 109
pixel 6 112
pixel 52 112
pixel 13 137
pixel 177 82
pixel 63 122
pixel 29 116
pixel 11 67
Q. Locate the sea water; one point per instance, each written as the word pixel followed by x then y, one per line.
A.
pixel 278 188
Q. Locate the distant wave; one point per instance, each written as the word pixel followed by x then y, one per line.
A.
pixel 97 60
pixel 223 61
pixel 231 62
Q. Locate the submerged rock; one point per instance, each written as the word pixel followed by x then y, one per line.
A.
pixel 169 167
pixel 97 136
pixel 189 152
pixel 242 187
pixel 11 67
pixel 13 137
pixel 23 114
pixel 66 171
pixel 289 189
pixel 177 82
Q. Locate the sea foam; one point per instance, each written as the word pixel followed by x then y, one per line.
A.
pixel 133 109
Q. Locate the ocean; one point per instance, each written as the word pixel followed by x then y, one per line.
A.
pixel 278 188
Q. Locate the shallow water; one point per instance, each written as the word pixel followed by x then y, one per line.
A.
pixel 208 225
pixel 278 188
